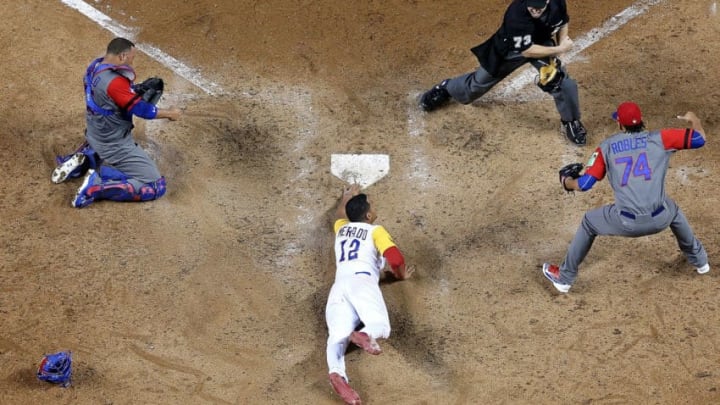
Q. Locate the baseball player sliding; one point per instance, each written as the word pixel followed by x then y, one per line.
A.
pixel 635 162
pixel 361 252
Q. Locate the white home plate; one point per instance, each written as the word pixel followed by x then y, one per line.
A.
pixel 360 169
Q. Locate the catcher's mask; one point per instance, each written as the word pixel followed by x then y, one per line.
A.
pixel 56 368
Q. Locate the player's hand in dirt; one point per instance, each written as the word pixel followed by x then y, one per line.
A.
pixel 351 190
pixel 409 270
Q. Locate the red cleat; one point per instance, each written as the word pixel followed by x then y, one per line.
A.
pixel 366 342
pixel 344 390
pixel 552 273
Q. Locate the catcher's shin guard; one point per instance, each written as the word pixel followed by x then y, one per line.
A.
pixel 153 191
pixel 115 186
pixel 116 191
pixel 120 190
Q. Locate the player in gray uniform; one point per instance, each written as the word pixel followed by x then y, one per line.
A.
pixel 127 172
pixel 635 162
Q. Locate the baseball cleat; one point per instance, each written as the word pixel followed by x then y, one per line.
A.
pixel 574 131
pixel 66 167
pixel 366 342
pixel 342 388
pixel 84 197
pixel 435 97
pixel 552 273
pixel 703 269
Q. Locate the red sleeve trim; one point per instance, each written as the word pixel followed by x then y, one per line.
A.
pixel 597 167
pixel 122 94
pixel 676 138
pixel 394 257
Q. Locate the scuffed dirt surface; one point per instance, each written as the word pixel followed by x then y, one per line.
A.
pixel 216 293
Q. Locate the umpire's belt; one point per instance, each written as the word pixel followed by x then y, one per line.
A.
pixel 653 214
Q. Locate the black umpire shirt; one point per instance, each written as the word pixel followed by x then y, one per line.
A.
pixel 519 31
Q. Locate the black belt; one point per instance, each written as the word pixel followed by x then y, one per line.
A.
pixel 363 272
pixel 653 214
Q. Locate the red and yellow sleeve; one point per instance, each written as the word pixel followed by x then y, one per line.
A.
pixel 382 239
pixel 386 247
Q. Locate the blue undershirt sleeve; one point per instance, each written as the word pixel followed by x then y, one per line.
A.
pixel 144 109
pixel 586 182
pixel 697 140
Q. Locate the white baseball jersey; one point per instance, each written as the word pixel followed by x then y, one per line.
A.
pixel 359 247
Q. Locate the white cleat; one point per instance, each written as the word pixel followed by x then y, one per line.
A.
pixel 63 170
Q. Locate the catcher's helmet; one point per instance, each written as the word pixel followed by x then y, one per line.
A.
pixel 56 368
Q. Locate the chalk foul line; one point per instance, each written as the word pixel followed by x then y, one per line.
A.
pixel 188 73
pixel 527 76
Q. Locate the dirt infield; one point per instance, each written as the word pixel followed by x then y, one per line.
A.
pixel 215 294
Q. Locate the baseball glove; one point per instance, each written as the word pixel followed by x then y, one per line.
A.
pixel 56 368
pixel 551 76
pixel 150 90
pixel 572 170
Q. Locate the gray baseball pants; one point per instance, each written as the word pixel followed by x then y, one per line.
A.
pixel 469 87
pixel 608 220
pixel 129 158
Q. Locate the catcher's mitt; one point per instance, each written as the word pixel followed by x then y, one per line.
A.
pixel 56 368
pixel 551 76
pixel 572 170
pixel 150 90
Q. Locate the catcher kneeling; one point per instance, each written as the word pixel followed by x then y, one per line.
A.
pixel 115 166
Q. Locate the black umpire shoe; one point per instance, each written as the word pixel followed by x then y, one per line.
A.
pixel 435 97
pixel 574 131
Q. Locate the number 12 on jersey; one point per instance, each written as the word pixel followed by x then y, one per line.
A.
pixel 352 249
